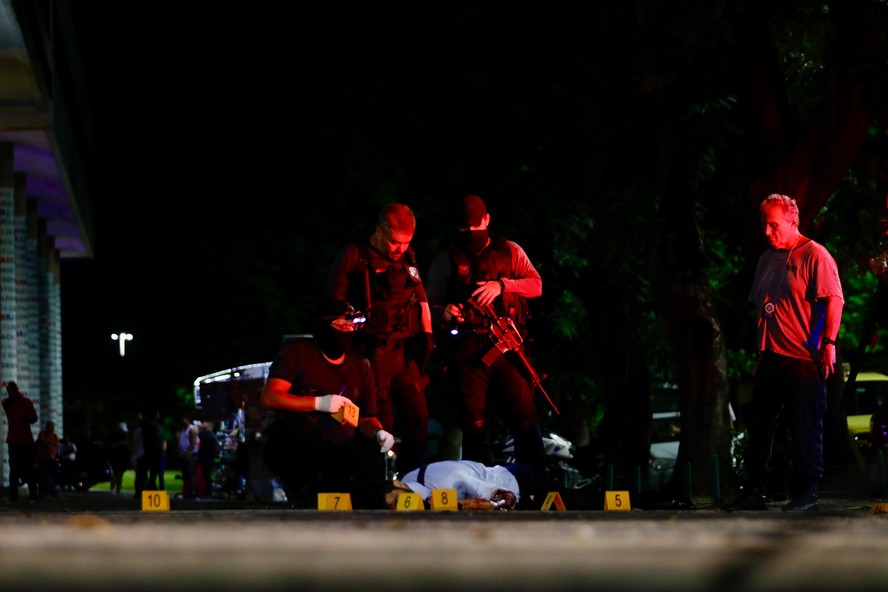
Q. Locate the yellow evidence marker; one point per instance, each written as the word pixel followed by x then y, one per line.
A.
pixel 334 501
pixel 156 501
pixel 409 502
pixel 617 501
pixel 444 499
pixel 553 498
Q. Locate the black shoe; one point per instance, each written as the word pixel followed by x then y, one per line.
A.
pixel 802 503
pixel 750 502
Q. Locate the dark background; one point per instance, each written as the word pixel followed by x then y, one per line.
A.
pixel 625 145
pixel 236 150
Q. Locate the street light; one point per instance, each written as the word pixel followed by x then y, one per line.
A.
pixel 122 338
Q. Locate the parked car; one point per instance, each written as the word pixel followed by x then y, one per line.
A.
pixel 664 447
pixel 870 392
pixel 863 404
pixel 666 433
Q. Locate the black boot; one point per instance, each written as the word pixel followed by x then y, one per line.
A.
pixel 751 500
pixel 806 502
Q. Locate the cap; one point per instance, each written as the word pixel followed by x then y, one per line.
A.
pixel 471 210
pixel 332 309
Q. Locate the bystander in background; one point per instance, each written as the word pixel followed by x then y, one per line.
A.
pixel 20 415
pixel 189 444
pixel 120 455
pixel 207 453
pixel 48 472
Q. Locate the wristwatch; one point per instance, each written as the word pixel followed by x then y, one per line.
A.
pixel 827 341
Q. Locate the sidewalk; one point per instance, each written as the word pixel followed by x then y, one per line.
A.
pixel 96 541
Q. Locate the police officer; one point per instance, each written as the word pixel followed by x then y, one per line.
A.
pixel 381 278
pixel 312 378
pixel 478 277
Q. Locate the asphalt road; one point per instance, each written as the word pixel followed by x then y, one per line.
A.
pixel 95 541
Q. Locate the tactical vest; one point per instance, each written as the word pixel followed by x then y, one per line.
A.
pixel 492 263
pixel 393 311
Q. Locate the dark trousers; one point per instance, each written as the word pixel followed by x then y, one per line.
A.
pixel 311 452
pixel 21 468
pixel 401 403
pixel 47 475
pixel 207 467
pixel 147 474
pixel 796 387
pixel 473 381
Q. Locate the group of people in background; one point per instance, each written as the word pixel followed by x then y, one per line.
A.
pixel 34 462
pixel 144 451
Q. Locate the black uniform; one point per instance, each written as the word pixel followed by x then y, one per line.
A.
pixel 311 452
pixel 389 293
pixel 474 372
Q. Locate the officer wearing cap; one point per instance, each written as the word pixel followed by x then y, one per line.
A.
pixel 309 381
pixel 481 275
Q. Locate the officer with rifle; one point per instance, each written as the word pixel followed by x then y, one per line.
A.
pixel 478 290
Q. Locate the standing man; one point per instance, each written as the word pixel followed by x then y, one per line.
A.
pixel 20 415
pixel 206 455
pixel 477 276
pixel 381 279
pixel 798 298
pixel 189 445
pixel 155 450
pixel 47 447
pixel 307 445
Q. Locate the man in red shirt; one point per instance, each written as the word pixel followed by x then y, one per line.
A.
pixel 20 414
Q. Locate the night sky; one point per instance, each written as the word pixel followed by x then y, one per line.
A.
pixel 222 135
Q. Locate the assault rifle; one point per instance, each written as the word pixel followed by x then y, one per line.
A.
pixel 506 338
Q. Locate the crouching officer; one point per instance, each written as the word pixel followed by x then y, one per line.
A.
pixel 310 446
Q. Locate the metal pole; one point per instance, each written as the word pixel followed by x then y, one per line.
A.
pixel 716 480
pixel 883 484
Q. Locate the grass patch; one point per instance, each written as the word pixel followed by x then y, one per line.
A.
pixel 171 483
